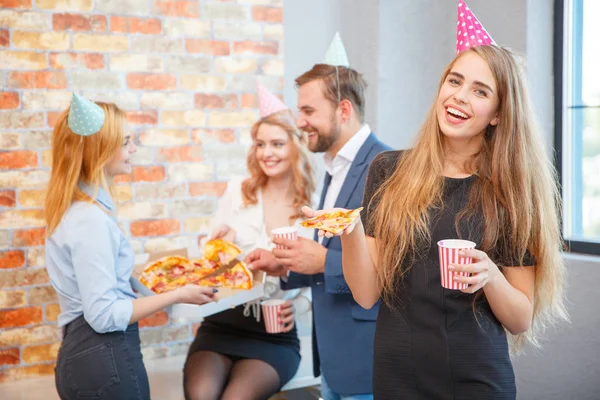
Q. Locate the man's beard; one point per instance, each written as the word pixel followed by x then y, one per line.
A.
pixel 324 142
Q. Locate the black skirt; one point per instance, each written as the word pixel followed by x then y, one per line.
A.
pixel 236 336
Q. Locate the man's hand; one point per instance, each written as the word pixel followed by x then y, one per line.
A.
pixel 264 260
pixel 303 256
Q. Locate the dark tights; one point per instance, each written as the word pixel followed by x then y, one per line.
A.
pixel 212 376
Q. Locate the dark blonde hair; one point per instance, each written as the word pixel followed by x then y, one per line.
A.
pixel 302 169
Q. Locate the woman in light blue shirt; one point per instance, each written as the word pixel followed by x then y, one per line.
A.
pixel 90 261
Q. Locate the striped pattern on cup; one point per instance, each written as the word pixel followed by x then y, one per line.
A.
pixel 270 312
pixel 290 233
pixel 448 251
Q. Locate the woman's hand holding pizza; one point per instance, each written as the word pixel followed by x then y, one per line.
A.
pixel 194 294
pixel 332 222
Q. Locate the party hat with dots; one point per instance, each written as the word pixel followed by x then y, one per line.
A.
pixel 85 117
pixel 268 103
pixel 336 53
pixel 469 31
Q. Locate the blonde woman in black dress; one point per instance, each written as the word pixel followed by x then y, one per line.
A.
pixel 478 171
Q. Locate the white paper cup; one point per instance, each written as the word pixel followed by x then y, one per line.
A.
pixel 287 232
pixel 270 312
pixel 449 249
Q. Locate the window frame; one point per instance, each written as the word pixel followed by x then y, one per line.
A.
pixel 561 109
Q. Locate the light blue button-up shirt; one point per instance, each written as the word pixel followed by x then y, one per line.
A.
pixel 89 262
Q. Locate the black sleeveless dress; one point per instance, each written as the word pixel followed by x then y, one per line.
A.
pixel 431 345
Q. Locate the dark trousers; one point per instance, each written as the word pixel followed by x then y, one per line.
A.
pixel 93 365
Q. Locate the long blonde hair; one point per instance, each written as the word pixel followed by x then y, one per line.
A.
pixel 80 158
pixel 516 193
pixel 302 169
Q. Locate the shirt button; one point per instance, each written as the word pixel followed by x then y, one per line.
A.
pixel 319 283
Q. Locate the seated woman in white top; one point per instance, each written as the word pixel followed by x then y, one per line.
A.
pixel 233 357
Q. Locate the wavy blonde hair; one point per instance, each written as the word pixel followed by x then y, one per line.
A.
pixel 80 158
pixel 516 193
pixel 302 169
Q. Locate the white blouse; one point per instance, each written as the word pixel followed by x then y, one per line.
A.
pixel 251 233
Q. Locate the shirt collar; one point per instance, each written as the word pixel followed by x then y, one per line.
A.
pixel 348 152
pixel 100 195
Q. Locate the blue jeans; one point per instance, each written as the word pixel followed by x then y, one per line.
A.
pixel 328 394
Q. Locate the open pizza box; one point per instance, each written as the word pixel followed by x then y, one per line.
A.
pixel 225 298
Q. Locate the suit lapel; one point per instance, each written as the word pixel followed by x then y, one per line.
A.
pixel 356 169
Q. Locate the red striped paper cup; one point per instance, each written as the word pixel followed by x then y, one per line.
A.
pixel 287 232
pixel 449 249
pixel 270 312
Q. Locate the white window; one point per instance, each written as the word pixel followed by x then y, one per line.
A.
pixel 577 52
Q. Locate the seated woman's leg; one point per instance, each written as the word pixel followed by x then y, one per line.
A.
pixel 205 374
pixel 252 380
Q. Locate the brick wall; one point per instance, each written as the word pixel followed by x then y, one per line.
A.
pixel 185 72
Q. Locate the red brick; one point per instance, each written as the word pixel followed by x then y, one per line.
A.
pixel 7 198
pixel 29 237
pixel 249 100
pixel 52 312
pixel 122 179
pixel 44 352
pixel 202 100
pixel 248 47
pixel 223 135
pixel 157 227
pixel 4 38
pixel 52 117
pixel 159 318
pixel 12 259
pixel 15 3
pixel 71 60
pixel 79 22
pixel 180 154
pixel 32 198
pixel 178 8
pixel 213 47
pixel 149 174
pixel 151 81
pixel 146 26
pixel 207 188
pixel 149 117
pixel 29 371
pixel 38 80
pixel 267 14
pixel 10 357
pixel 9 100
pixel 18 159
pixel 20 317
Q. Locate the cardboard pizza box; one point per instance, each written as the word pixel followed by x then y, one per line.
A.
pixel 224 299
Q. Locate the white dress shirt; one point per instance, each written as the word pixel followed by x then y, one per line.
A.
pixel 339 166
pixel 251 233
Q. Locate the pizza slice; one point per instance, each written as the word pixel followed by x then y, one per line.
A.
pixel 334 222
pixel 166 273
pixel 221 251
pixel 238 277
pixel 203 267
